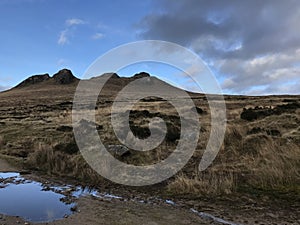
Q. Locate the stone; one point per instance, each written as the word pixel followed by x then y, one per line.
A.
pixel 64 76
pixel 118 150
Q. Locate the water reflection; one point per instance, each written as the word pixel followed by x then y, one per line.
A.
pixel 30 201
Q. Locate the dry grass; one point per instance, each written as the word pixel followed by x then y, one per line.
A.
pixel 46 159
pixel 253 160
pixel 2 142
pixel 249 156
pixel 276 166
pixel 206 183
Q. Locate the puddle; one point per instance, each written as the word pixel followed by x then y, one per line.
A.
pixel 37 202
pixel 8 175
pixel 30 201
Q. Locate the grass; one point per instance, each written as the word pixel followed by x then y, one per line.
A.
pixel 2 142
pixel 250 159
pixel 208 183
pixel 46 159
pixel 256 161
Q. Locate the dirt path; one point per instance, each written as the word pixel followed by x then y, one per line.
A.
pixel 133 213
pixel 96 212
pixel 6 167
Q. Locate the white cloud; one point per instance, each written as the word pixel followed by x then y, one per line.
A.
pixel 70 24
pixel 267 74
pixel 63 37
pixel 97 36
pixel 253 45
pixel 74 21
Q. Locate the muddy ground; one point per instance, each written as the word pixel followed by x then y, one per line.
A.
pixel 92 211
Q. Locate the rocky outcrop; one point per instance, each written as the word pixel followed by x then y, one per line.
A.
pixel 34 80
pixel 141 75
pixel 64 76
pixel 252 114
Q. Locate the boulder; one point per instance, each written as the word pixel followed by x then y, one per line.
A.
pixel 118 150
pixel 64 76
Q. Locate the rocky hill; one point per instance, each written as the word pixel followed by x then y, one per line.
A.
pixel 62 77
pixel 34 80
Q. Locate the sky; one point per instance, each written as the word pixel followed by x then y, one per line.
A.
pixel 251 46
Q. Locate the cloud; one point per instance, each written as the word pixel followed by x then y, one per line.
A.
pixel 97 36
pixel 3 88
pixel 71 24
pixel 253 45
pixel 74 21
pixel 271 72
pixel 63 37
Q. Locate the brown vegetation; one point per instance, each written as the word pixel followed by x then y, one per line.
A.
pixel 261 150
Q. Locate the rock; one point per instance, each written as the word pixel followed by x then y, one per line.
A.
pixel 141 75
pixel 85 124
pixel 34 80
pixel 118 150
pixel 260 112
pixel 64 76
pixel 24 172
pixel 272 215
pixel 74 209
pixel 152 99
pixel 274 132
pixel 198 110
pixel 64 128
pixel 47 188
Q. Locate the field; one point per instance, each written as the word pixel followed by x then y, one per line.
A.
pixel 259 162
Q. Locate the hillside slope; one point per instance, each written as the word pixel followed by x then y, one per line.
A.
pixel 261 150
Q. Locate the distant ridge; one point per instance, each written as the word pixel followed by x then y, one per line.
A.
pixel 34 80
pixel 115 83
pixel 65 76
pixel 62 77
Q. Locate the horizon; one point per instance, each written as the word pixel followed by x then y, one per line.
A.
pixel 152 75
pixel 248 57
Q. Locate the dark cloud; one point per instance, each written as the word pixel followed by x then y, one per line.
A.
pixel 251 42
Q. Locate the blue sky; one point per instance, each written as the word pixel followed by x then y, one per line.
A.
pixel 44 36
pixel 253 46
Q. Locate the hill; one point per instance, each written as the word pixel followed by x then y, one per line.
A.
pixel 260 155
